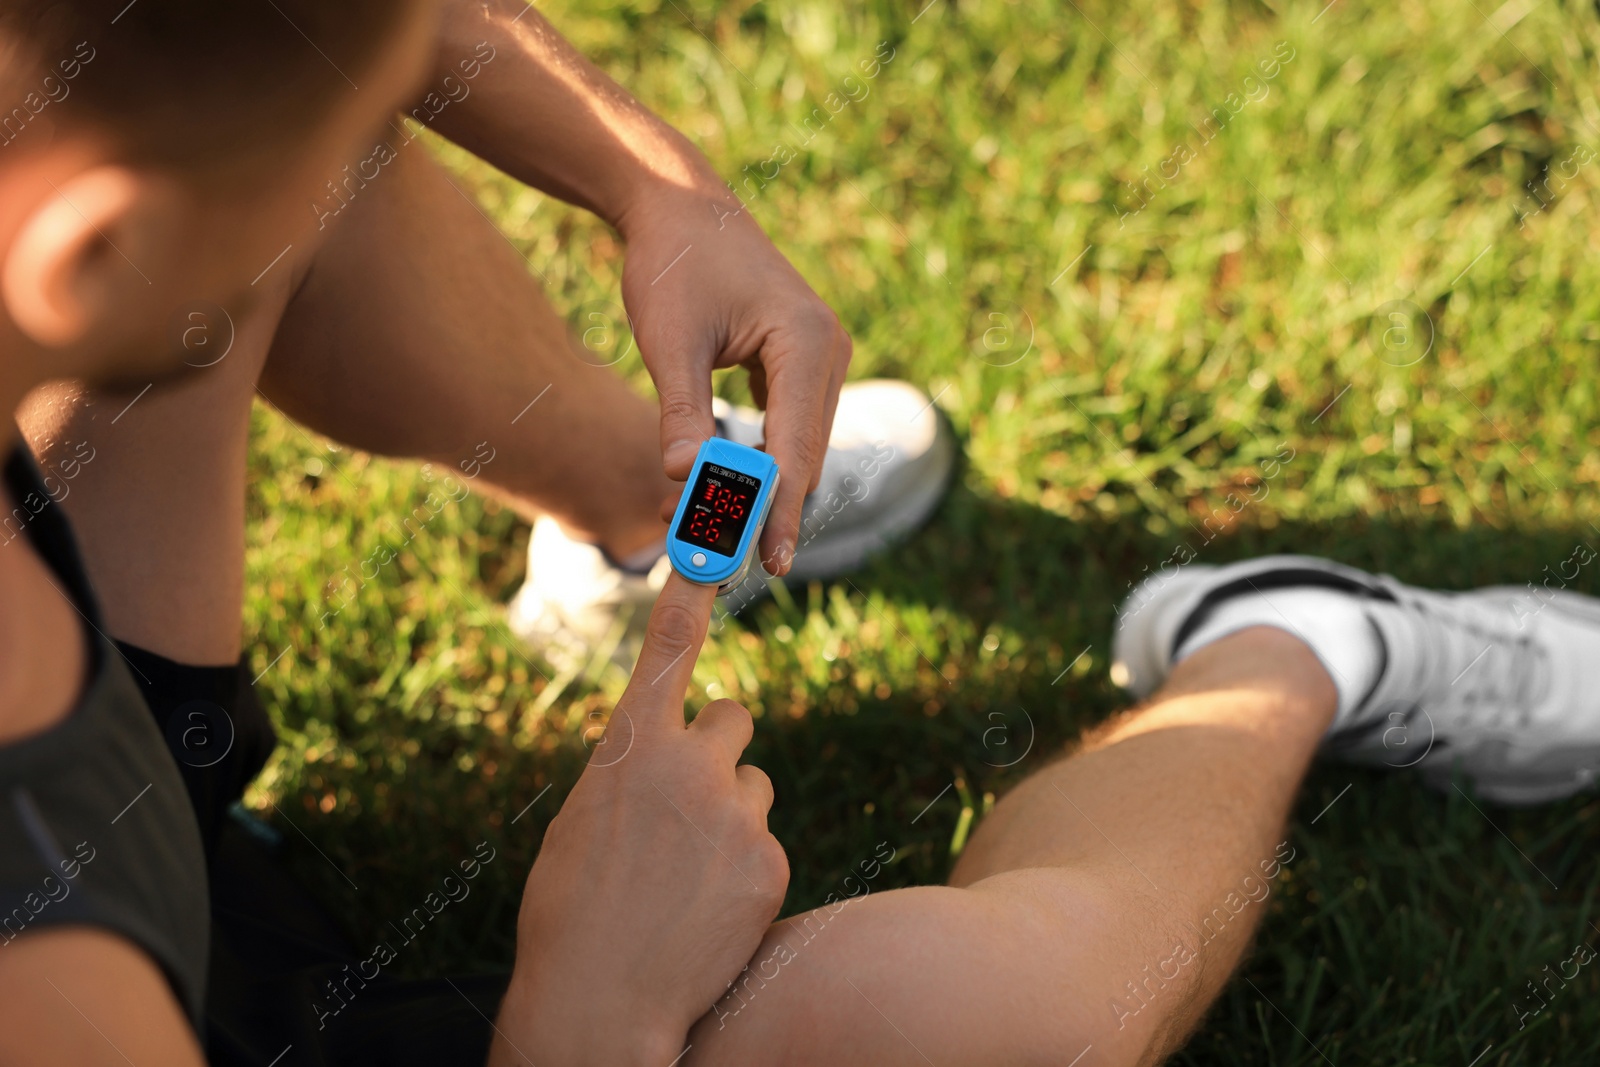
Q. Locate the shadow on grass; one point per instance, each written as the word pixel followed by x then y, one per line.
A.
pixel 1393 881
pixel 1055 583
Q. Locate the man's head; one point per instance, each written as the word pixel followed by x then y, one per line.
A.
pixel 162 152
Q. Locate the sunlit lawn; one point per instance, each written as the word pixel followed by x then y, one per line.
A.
pixel 1153 285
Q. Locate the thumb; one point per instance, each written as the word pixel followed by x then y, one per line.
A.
pixel 672 640
pixel 686 419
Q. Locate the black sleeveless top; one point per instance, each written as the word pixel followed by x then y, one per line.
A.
pixel 95 826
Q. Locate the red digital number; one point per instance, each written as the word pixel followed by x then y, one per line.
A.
pixel 720 503
pixel 705 526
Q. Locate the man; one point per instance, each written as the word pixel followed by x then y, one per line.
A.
pixel 402 323
pixel 109 218
pixel 411 328
pixel 1069 933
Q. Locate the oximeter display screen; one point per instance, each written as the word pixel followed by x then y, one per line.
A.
pixel 719 509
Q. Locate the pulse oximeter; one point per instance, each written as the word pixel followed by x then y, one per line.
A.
pixel 718 523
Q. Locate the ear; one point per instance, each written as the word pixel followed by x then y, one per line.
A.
pixel 75 263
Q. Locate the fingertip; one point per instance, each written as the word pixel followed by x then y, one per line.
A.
pixel 678 457
pixel 783 526
pixel 785 553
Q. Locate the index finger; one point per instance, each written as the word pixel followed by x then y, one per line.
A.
pixel 672 640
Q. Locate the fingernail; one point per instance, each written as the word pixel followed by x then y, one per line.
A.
pixel 681 452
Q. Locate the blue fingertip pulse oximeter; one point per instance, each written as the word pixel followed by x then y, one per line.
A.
pixel 718 523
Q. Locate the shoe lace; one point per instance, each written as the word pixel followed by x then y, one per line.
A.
pixel 1490 672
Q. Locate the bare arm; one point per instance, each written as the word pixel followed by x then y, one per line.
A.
pixel 704 287
pixel 83 997
pixel 544 114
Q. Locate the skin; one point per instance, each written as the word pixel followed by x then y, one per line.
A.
pixel 629 833
pixel 730 299
pixel 1091 870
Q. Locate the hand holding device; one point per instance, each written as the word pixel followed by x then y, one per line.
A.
pixel 705 290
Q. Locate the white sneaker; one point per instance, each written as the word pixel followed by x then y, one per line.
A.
pixel 888 465
pixel 575 602
pixel 1493 683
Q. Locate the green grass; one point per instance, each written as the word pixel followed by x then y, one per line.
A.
pixel 1109 412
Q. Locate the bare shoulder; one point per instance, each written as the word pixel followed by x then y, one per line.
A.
pixel 84 996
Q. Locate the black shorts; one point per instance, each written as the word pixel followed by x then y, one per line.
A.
pixel 275 952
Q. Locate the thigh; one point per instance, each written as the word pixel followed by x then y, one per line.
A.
pixel 420 332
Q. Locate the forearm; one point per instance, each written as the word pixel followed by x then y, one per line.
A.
pixel 562 1028
pixel 544 114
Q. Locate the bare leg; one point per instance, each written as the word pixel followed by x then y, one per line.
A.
pixel 419 333
pixel 1102 905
